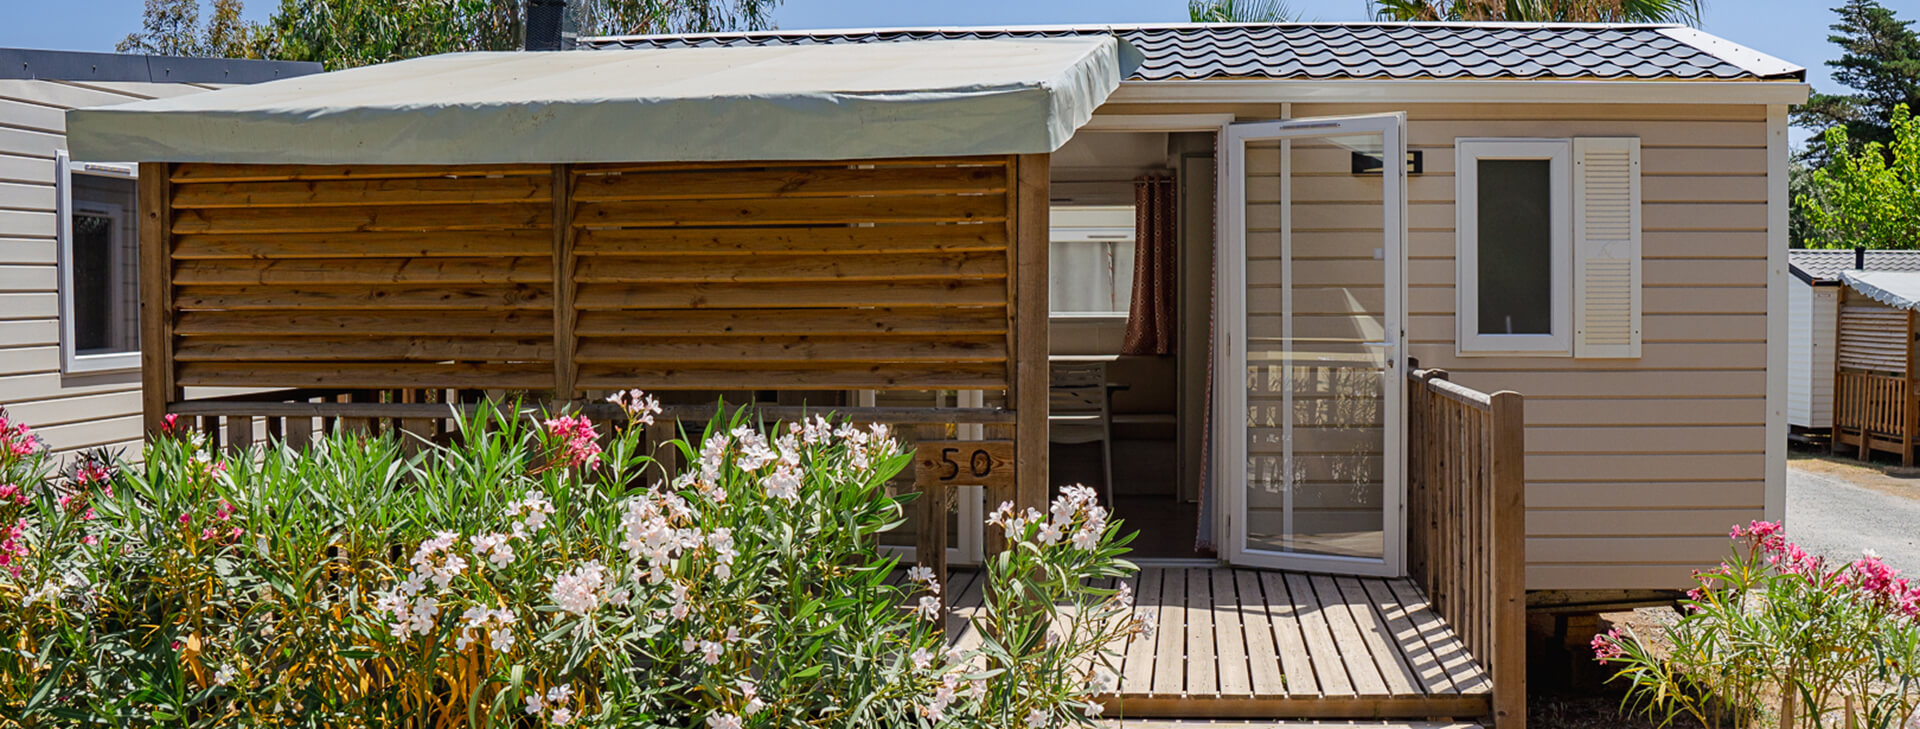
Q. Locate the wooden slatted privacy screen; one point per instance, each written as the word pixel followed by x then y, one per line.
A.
pixel 1466 519
pixel 362 277
pixel 1874 405
pixel 1872 336
pixel 884 275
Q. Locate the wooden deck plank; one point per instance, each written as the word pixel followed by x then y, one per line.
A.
pixel 1400 678
pixel 1229 636
pixel 1452 654
pixel 1367 680
pixel 970 595
pixel 1296 662
pixel 1420 657
pixel 1263 656
pixel 1322 651
pixel 1136 671
pixel 1203 667
pixel 1170 642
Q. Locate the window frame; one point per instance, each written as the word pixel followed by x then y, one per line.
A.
pixel 71 360
pixel 1468 341
pixel 1096 234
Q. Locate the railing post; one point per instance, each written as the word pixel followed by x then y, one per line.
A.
pixel 1509 497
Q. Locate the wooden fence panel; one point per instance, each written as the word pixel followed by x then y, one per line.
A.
pixel 372 277
pixel 730 276
pixel 1466 517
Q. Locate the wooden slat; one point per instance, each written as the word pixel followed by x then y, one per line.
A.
pixel 1367 680
pixel 368 219
pixel 1407 637
pixel 1026 375
pixel 795 211
pixel 1377 639
pixel 961 322
pixel 1263 656
pixel 370 325
pixel 157 382
pixel 875 240
pixel 1229 635
pixel 415 191
pixel 1283 615
pixel 565 313
pixel 790 182
pixel 794 295
pixel 366 271
pixel 793 349
pixel 1329 671
pixel 1462 670
pixel 364 245
pixel 885 377
pixel 368 375
pixel 1170 638
pixel 208 172
pixel 413 348
pixel 1136 669
pixel 1203 667
pixel 747 165
pixel 733 269
pixel 506 297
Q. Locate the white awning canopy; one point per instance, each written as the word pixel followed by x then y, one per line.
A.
pixel 1898 289
pixel 813 102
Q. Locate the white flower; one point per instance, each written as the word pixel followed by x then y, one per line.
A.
pixel 497 549
pixel 928 608
pixel 754 451
pixel 561 716
pixel 920 574
pixel 501 639
pixel 578 590
pixel 640 406
pixel 1037 719
pixel 1049 533
pixel 1093 709
pixel 783 484
pixel 752 694
pixel 1086 539
pixel 1124 596
pixel 534 704
pixel 710 652
pixel 921 658
pixel 1103 681
pixel 224 676
pixel 723 721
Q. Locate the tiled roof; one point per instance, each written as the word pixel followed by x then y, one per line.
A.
pixel 1826 264
pixel 1351 50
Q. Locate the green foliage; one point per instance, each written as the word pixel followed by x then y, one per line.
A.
pixel 1881 63
pixel 173 28
pixel 1541 11
pixel 348 33
pixel 1775 637
pixel 1240 11
pixel 1869 195
pixel 531 575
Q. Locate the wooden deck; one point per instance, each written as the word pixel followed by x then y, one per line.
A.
pixel 1239 643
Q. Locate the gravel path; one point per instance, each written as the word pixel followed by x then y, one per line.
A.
pixel 1832 513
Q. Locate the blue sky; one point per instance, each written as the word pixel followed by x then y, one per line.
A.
pixel 1795 30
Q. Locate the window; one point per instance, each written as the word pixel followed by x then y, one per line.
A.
pixel 1090 261
pixel 1514 231
pixel 99 266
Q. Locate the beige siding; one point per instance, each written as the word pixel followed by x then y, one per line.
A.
pixel 1811 322
pixel 69 411
pixel 1636 468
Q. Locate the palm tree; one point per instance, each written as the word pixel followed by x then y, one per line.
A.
pixel 1543 11
pixel 1239 11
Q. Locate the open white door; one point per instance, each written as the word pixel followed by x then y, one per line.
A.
pixel 1311 286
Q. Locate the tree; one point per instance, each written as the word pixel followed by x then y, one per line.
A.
pixel 347 33
pixel 172 28
pixel 1881 62
pixel 1542 11
pixel 1240 11
pixel 1869 194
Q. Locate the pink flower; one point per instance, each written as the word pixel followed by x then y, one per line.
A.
pixel 170 424
pixel 12 492
pixel 1606 646
pixel 90 540
pixel 185 519
pixel 224 512
pixel 580 444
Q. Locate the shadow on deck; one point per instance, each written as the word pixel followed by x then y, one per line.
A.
pixel 1247 644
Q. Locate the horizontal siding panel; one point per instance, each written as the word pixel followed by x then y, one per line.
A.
pixel 1532 112
pixel 115 434
pixel 23 279
pixel 1750 410
pixel 26 196
pixel 30 332
pixel 19 388
pixel 29 251
pixel 1646 439
pixel 1654 327
pixel 1638 383
pixel 26 169
pixel 1647 495
pixel 1607 576
pixel 1645 467
pixel 1693 552
pixel 62 410
pixel 28 223
pixel 30 143
pixel 54 93
pixel 1654 522
pixel 28 306
pixel 23 360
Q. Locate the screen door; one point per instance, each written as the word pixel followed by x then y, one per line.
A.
pixel 1311 388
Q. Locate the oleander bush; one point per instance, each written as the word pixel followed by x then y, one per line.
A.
pixel 1777 637
pixel 541 571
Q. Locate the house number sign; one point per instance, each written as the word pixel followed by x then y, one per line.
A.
pixel 964 463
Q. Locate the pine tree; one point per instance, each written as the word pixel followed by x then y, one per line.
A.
pixel 1881 64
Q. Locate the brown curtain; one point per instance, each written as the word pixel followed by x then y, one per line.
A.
pixel 1150 322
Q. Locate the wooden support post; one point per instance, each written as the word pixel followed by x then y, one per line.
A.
pixel 564 371
pixel 930 537
pixel 1507 470
pixel 239 433
pixel 1909 407
pixel 156 295
pixel 1028 311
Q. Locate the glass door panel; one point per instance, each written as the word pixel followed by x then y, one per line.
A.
pixel 1316 353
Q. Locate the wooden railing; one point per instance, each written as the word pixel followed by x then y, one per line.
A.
pixel 1875 411
pixel 1466 516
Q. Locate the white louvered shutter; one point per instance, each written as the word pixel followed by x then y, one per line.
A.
pixel 1606 247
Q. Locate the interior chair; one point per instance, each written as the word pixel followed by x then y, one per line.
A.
pixel 1080 411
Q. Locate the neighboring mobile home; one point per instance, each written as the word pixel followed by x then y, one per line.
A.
pixel 1593 216
pixel 1814 301
pixel 69 333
